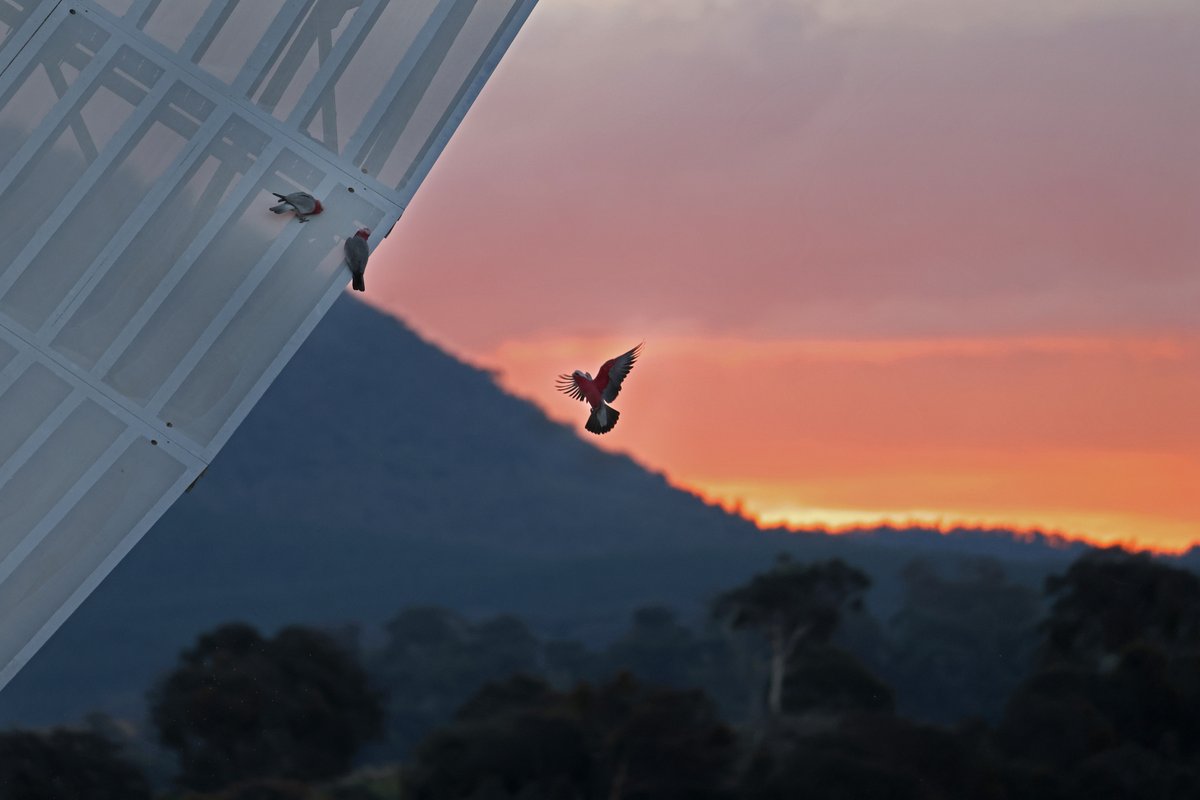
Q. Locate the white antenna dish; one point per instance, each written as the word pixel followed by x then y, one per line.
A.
pixel 147 295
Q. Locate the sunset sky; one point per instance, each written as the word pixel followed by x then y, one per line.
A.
pixel 932 260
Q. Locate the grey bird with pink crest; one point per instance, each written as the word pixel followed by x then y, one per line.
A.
pixel 302 204
pixel 357 253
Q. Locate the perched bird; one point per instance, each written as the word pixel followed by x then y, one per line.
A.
pixel 357 253
pixel 302 203
pixel 601 390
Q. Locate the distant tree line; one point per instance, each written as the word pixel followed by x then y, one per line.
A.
pixel 786 693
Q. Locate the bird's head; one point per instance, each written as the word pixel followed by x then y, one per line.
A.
pixel 363 233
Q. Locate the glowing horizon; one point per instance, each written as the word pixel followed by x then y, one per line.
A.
pixel 1100 531
pixel 1137 493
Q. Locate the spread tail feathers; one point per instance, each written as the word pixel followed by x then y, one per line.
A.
pixel 357 283
pixel 603 419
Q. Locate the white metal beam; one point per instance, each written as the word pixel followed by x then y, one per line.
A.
pixel 65 105
pixel 167 183
pixel 286 20
pixel 211 229
pixel 357 144
pixel 14 557
pixel 333 66
pixel 210 24
pixel 86 181
pixel 223 317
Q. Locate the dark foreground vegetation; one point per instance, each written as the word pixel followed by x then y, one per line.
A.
pixel 979 689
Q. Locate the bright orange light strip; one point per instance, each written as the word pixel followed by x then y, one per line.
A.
pixel 1068 528
pixel 1095 437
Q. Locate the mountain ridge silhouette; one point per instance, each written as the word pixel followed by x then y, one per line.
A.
pixel 379 472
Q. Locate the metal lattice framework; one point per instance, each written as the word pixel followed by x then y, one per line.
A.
pixel 147 297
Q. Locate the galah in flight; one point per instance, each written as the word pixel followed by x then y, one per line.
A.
pixel 601 390
pixel 302 203
pixel 356 258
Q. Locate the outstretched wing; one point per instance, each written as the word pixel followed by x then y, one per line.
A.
pixel 609 379
pixel 570 385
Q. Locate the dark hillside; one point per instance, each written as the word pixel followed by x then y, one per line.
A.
pixel 379 472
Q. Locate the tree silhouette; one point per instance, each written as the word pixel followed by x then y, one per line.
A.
pixel 662 651
pixel 521 738
pixel 1114 709
pixel 66 765
pixel 868 756
pixel 240 707
pixel 792 604
pixel 823 678
pixel 656 648
pixel 1110 598
pixel 434 659
pixel 962 643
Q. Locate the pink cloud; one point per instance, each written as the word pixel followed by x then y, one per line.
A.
pixel 752 170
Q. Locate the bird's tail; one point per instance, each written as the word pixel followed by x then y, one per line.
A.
pixel 357 283
pixel 282 208
pixel 603 419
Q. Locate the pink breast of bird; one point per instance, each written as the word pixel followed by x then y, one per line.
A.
pixel 592 390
